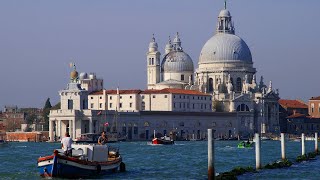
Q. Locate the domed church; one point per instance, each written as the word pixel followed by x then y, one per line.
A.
pixel 225 70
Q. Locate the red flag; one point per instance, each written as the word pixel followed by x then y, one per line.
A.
pixel 106 124
pixel 99 113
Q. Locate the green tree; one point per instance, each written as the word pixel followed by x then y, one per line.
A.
pixel 45 114
pixel 57 106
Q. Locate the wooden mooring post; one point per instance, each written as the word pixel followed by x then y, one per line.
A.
pixel 283 147
pixel 257 141
pixel 316 142
pixel 303 148
pixel 211 170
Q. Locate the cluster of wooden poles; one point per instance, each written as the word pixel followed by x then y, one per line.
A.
pixel 257 140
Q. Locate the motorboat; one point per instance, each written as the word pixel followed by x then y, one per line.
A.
pixel 163 141
pixel 86 160
pixel 244 144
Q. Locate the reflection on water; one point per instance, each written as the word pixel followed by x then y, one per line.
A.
pixel 182 160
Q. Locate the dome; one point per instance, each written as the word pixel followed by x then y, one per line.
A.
pixel 74 74
pixel 224 13
pixel 83 75
pixel 224 47
pixel 177 61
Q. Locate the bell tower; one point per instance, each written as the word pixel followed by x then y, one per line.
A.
pixel 153 64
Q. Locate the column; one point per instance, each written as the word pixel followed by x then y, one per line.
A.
pixel 90 125
pixel 303 150
pixel 70 128
pixel 51 130
pixel 283 147
pixel 59 130
pixel 258 147
pixel 74 129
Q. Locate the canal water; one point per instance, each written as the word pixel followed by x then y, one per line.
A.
pixel 184 160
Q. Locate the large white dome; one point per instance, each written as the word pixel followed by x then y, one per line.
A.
pixel 177 61
pixel 223 47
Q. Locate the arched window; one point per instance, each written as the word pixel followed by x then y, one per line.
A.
pixel 243 108
pixel 239 84
pixel 210 85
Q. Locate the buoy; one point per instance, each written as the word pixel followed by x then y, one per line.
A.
pixel 122 167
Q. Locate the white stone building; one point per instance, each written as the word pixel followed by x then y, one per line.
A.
pixel 222 93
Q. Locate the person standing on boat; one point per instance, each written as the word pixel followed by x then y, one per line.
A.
pixel 103 139
pixel 66 144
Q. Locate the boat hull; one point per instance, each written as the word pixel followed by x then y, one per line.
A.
pixel 157 141
pixel 68 167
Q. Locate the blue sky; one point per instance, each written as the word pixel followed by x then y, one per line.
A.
pixel 39 38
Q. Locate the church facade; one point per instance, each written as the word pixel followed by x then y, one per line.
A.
pixel 222 93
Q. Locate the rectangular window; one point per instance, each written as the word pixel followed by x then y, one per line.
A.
pixel 135 130
pixel 110 105
pixel 192 106
pixel 154 96
pixel 70 104
pixel 120 97
pixel 182 77
pixel 205 106
pixel 142 97
pixel 130 104
pixel 174 105
pixel 120 105
pixel 165 96
pixel 201 106
pixel 91 105
pixel 91 97
pixel 110 97
pixel 100 105
pixel 184 97
pixel 130 97
pixel 174 96
pixel 100 97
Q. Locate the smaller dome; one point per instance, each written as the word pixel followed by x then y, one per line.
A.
pixel 83 75
pixel 74 74
pixel 224 13
pixel 177 61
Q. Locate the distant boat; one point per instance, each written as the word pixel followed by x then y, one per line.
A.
pixel 87 138
pixel 165 140
pixel 86 161
pixel 264 138
pixel 244 144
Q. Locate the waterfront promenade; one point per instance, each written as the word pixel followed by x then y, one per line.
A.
pixel 180 161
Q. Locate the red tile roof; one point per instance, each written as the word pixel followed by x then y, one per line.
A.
pixel 173 91
pixel 286 103
pixel 296 115
pixel 152 91
pixel 130 91
pixel 315 98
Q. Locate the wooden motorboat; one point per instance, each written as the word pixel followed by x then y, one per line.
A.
pixel 87 160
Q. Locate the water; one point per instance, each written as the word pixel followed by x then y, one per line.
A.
pixel 184 160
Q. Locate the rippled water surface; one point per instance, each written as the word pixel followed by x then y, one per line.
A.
pixel 184 160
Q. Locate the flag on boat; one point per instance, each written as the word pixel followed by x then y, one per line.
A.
pixel 99 113
pixel 106 124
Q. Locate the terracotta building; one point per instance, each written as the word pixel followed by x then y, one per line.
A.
pixel 314 107
pixel 290 108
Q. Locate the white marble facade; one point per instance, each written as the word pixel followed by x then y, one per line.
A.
pixel 233 102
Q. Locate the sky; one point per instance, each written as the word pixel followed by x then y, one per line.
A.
pixel 38 40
